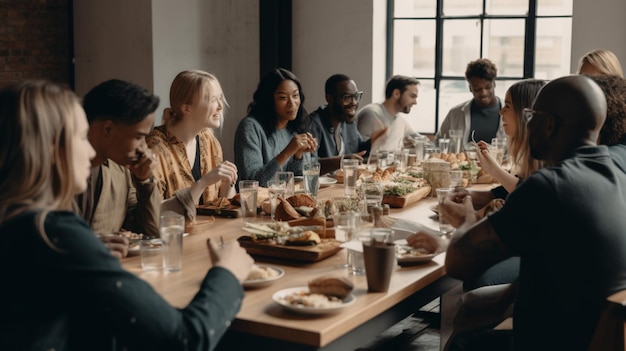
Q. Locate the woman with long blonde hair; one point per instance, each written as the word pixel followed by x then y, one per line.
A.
pixel 600 61
pixel 62 289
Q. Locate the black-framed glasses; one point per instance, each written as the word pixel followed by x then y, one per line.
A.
pixel 347 98
pixel 529 113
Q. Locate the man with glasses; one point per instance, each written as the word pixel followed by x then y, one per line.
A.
pixel 400 96
pixel 481 114
pixel 333 124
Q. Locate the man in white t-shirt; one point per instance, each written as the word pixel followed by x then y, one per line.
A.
pixel 400 96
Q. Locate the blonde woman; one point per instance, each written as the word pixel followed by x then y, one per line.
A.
pixel 191 166
pixel 600 61
pixel 64 290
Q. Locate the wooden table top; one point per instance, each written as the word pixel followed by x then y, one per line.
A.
pixel 260 315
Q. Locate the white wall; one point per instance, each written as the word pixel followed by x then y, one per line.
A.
pixel 331 36
pixel 599 24
pixel 112 39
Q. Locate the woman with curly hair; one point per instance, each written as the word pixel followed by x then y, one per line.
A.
pixel 274 135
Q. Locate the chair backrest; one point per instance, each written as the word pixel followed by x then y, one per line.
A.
pixel 610 330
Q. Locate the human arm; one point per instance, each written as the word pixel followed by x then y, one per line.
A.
pixel 491 166
pixel 333 163
pixel 144 198
pixel 474 247
pixel 117 245
pixel 136 315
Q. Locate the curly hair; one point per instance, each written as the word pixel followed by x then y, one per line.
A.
pixel 119 101
pixel 482 68
pixel 262 107
pixel 614 128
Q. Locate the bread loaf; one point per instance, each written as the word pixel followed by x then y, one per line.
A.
pixel 340 287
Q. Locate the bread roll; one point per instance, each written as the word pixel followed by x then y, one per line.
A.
pixel 285 212
pixel 331 286
pixel 299 200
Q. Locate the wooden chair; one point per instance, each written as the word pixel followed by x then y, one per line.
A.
pixel 611 328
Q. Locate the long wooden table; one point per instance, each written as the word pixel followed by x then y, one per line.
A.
pixel 262 324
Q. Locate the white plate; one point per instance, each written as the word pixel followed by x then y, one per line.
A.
pixel 327 181
pixel 279 298
pixel 259 283
pixel 408 258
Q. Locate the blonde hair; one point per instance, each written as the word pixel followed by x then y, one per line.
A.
pixel 604 61
pixel 186 89
pixel 36 127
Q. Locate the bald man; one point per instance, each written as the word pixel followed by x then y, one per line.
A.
pixel 566 222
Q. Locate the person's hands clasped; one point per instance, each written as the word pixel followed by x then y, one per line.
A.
pixel 232 257
pixel 226 172
pixel 145 165
pixel 117 245
pixel 426 241
pixel 301 143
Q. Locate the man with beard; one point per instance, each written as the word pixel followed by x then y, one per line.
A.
pixel 400 96
pixel 481 114
pixel 333 124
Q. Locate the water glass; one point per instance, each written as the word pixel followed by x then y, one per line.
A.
pixel 248 191
pixel 372 192
pixel 171 227
pixel 350 169
pixel 151 252
pixel 345 227
pixel 444 145
pixel 444 227
pixel 311 175
pixel 500 145
pixel 276 190
pixel 456 178
pixel 456 140
pixel 288 178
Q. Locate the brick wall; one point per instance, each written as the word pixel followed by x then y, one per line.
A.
pixel 35 40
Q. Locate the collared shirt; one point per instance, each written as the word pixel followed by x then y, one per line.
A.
pixel 174 171
pixel 350 141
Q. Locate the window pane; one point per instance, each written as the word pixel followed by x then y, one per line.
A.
pixel 422 115
pixel 462 7
pixel 504 45
pixel 415 8
pixel 553 48
pixel 461 44
pixel 554 7
pixel 452 93
pixel 414 48
pixel 506 7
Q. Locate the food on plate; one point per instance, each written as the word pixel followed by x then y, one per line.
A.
pixel 307 299
pixel 340 287
pixel 298 200
pixel 285 211
pixel 261 273
pixel 403 251
pixel 305 238
pixel 220 202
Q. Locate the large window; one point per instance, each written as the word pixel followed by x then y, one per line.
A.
pixel 434 40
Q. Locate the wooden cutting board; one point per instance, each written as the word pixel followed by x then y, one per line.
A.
pixel 402 201
pixel 326 248
pixel 231 211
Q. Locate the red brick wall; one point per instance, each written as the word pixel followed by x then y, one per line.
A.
pixel 35 40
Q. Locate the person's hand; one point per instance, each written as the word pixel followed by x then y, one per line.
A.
pixel 487 163
pixel 232 257
pixel 301 143
pixel 429 242
pixel 457 213
pixel 226 172
pixel 118 245
pixel 358 156
pixel 145 165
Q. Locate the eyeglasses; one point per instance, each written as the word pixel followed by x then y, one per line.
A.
pixel 529 113
pixel 347 98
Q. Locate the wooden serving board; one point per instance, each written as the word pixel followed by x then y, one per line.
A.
pixel 231 211
pixel 402 201
pixel 326 248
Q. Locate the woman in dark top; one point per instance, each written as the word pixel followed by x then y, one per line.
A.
pixel 62 289
pixel 274 135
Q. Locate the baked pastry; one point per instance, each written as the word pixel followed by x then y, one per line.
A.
pixel 285 211
pixel 299 200
pixel 340 287
pixel 306 238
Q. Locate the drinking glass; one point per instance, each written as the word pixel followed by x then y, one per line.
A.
pixel 345 227
pixel 151 251
pixel 311 176
pixel 445 228
pixel 276 192
pixel 456 140
pixel 171 227
pixel 500 145
pixel 248 191
pixel 456 178
pixel 444 145
pixel 350 169
pixel 372 163
pixel 288 178
pixel 372 192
